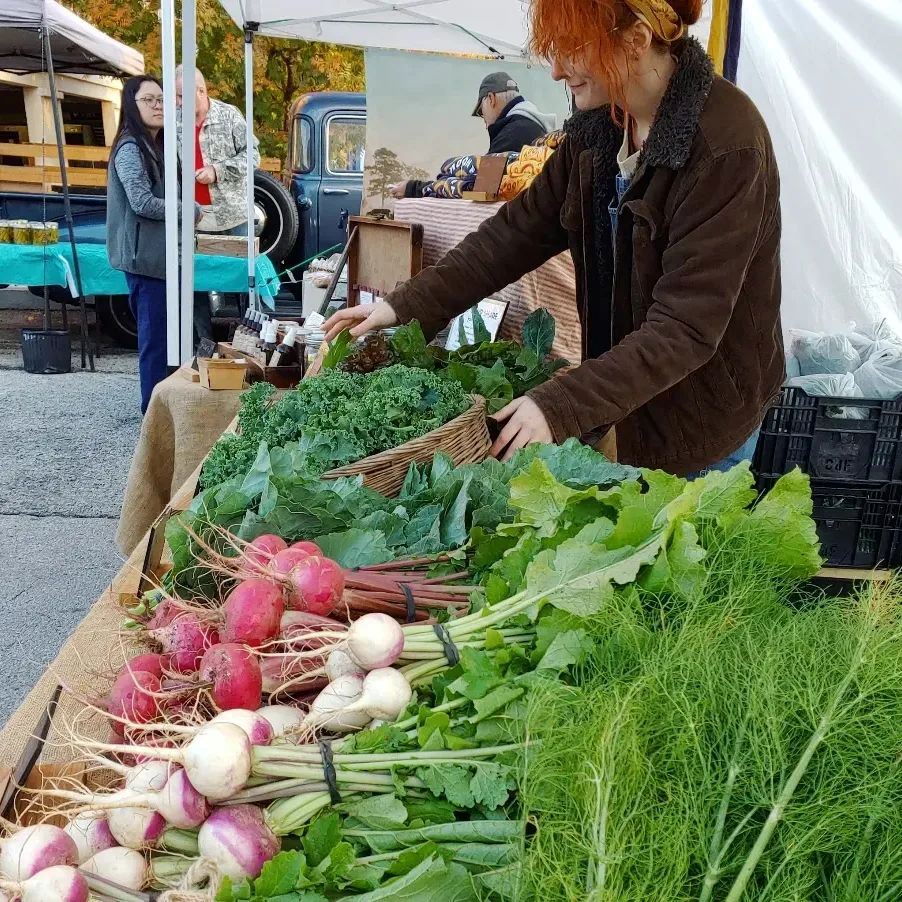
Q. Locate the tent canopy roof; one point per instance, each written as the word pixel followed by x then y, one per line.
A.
pixel 483 27
pixel 77 46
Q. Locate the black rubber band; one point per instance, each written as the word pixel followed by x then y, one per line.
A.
pixel 448 646
pixel 411 604
pixel 325 751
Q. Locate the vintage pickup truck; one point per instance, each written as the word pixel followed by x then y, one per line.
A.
pixel 296 217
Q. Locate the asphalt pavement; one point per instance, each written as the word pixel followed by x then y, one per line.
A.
pixel 65 446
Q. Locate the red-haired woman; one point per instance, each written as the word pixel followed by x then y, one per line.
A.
pixel 666 191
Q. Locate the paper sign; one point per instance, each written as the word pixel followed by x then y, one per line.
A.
pixel 490 313
pixel 366 297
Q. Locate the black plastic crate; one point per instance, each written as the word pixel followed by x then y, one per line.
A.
pixel 859 524
pixel 819 436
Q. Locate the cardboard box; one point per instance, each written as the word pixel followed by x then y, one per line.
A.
pixel 219 374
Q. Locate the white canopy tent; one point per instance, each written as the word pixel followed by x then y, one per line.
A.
pixel 482 27
pixel 75 45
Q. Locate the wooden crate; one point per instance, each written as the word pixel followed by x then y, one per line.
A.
pixel 224 245
pixel 257 371
pixel 383 254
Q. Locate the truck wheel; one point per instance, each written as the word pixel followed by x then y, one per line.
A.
pixel 116 319
pixel 277 217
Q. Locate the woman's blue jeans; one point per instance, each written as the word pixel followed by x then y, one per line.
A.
pixel 147 299
pixel 745 452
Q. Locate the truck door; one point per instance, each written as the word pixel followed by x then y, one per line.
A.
pixel 341 188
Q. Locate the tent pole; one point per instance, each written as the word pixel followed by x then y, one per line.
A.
pixel 171 181
pixel 249 29
pixel 67 206
pixel 189 105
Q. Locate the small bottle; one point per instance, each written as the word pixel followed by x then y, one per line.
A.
pixel 242 330
pixel 270 340
pixel 285 353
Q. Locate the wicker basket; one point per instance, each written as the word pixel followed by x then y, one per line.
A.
pixel 465 439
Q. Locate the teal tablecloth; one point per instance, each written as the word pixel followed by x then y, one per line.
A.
pixel 52 265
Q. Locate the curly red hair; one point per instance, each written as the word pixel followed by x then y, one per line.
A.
pixel 592 29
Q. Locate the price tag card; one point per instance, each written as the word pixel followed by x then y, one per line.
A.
pixel 478 324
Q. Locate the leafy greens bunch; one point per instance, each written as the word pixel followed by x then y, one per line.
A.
pixel 498 370
pixel 438 506
pixel 336 419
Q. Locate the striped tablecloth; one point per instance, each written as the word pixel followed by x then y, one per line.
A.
pixel 553 285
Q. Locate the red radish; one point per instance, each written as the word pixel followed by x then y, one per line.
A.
pixel 132 698
pixel 124 867
pixel 291 673
pixel 235 674
pixel 285 561
pixel 55 884
pixel 164 613
pixel 257 728
pixel 252 613
pixel 310 547
pixel 184 641
pixel 316 585
pixel 91 834
pixel 34 848
pixel 255 558
pixel 148 663
pixel 237 841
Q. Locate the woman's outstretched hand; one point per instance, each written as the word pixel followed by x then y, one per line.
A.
pixel 360 320
pixel 525 424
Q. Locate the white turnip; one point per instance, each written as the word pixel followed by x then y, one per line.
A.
pixel 124 867
pixel 332 710
pixel 59 883
pixel 283 718
pixel 90 833
pixel 32 849
pixel 340 663
pixel 237 841
pixel 385 694
pixel 256 726
pixel 374 641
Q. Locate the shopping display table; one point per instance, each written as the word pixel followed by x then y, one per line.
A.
pixel 52 265
pixel 553 285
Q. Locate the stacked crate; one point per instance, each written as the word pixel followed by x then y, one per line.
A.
pixel 852 450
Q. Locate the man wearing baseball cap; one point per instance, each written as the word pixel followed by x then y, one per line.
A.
pixel 511 121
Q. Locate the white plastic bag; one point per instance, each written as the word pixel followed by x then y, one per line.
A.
pixel 819 354
pixel 880 330
pixel 880 376
pixel 792 366
pixel 827 385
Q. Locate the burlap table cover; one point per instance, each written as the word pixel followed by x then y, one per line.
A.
pixel 553 285
pixel 180 427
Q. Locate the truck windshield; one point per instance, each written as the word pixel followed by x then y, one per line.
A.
pixel 302 145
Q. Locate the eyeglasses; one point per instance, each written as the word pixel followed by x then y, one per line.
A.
pixel 151 101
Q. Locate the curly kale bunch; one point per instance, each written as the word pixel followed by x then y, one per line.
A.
pixel 337 418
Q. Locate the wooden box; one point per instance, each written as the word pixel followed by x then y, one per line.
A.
pixel 257 371
pixel 222 374
pixel 224 245
pixel 383 254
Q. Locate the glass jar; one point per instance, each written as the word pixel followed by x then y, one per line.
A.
pixel 53 232
pixel 37 232
pixel 21 231
pixel 6 231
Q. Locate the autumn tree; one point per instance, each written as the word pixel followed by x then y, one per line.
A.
pixel 282 69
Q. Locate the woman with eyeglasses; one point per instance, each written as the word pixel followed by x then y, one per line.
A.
pixel 136 230
pixel 666 192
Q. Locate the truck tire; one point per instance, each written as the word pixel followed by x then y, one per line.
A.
pixel 116 320
pixel 277 217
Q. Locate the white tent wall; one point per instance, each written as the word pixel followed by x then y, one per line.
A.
pixel 828 81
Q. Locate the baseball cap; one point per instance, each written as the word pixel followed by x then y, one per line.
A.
pixel 496 83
